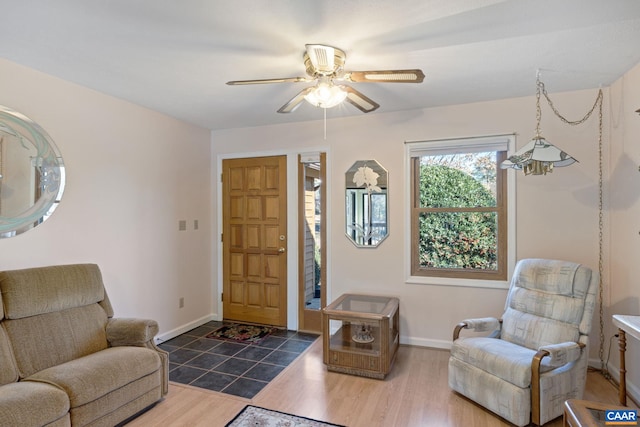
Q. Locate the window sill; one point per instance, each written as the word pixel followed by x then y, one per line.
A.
pixel 468 283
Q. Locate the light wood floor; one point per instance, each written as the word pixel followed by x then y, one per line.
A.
pixel 415 393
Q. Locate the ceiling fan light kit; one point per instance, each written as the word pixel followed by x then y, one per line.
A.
pixel 325 95
pixel 325 66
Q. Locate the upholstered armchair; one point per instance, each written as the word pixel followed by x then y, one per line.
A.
pixel 524 366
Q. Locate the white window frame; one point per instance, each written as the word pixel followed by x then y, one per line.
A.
pixel 417 148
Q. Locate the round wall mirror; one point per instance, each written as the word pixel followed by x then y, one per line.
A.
pixel 366 206
pixel 31 174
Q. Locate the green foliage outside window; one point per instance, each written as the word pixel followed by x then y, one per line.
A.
pixel 453 233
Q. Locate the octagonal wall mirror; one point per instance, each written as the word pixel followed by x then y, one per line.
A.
pixel 31 174
pixel 366 203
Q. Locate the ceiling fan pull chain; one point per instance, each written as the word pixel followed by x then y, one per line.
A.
pixel 325 123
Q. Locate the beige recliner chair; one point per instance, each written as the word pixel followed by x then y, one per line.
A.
pixel 535 357
pixel 65 360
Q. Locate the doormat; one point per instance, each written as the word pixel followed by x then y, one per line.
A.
pixel 252 416
pixel 238 332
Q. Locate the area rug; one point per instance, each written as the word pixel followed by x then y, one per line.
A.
pixel 252 416
pixel 238 332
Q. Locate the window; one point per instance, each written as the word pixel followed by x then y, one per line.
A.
pixel 459 210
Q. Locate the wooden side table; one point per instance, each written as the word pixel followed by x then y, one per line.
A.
pixel 584 413
pixel 630 325
pixel 361 334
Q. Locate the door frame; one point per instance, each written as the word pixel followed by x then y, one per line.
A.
pixel 310 320
pixel 292 227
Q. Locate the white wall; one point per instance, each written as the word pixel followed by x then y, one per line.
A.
pixel 624 295
pixel 132 174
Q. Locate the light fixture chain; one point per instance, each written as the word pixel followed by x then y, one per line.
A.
pixel 539 87
pixel 560 116
pixel 598 103
pixel 603 366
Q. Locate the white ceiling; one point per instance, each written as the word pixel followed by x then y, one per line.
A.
pixel 174 56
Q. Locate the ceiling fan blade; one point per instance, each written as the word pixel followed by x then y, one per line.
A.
pixel 386 76
pixel 265 81
pixel 360 101
pixel 322 59
pixel 294 102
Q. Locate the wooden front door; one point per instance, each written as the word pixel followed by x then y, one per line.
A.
pixel 254 240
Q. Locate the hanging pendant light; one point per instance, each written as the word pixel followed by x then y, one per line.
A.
pixel 539 156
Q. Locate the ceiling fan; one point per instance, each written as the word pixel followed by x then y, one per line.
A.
pixel 324 65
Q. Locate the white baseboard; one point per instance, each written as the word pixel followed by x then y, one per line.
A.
pixel 632 390
pixel 422 342
pixel 184 328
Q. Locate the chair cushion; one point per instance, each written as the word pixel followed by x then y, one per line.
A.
pixel 34 291
pixel 557 307
pixel 40 342
pixel 8 368
pixel 533 332
pixel 32 404
pixel 547 303
pixel 91 377
pixel 503 359
pixel 552 276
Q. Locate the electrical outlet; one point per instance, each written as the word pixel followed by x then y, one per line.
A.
pixel 182 225
pixel 195 224
pixel 181 303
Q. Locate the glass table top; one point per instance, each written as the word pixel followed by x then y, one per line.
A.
pixel 361 303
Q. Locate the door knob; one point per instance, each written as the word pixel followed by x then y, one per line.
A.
pixel 281 250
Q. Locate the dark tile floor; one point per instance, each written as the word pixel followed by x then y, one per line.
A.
pixel 229 367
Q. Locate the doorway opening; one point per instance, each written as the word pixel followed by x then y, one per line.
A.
pixel 312 237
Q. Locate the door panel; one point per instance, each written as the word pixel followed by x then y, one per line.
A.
pixel 254 240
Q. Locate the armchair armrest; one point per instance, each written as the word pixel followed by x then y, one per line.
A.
pixel 482 324
pixel 139 333
pixel 134 332
pixel 561 354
